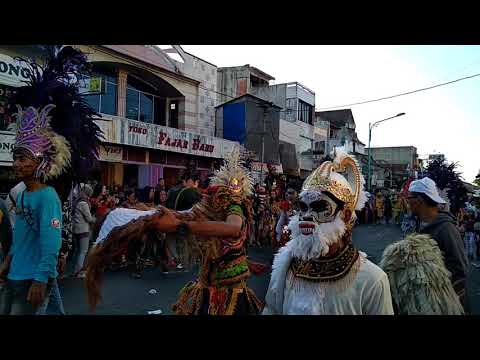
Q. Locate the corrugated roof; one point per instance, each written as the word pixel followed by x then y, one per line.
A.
pixel 252 96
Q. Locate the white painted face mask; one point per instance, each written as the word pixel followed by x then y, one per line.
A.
pixel 315 208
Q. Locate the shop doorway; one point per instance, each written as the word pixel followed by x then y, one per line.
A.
pixel 130 176
pixel 171 176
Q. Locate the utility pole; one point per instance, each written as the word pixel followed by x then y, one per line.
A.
pixel 265 108
pixel 370 127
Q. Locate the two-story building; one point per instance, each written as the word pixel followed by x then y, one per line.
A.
pixel 340 126
pixel 295 104
pixel 398 162
pixel 157 111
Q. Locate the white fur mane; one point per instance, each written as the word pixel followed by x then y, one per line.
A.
pixel 315 245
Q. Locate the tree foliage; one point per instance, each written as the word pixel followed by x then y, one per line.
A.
pixel 446 175
pixel 477 179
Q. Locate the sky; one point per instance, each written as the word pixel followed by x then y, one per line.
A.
pixel 441 120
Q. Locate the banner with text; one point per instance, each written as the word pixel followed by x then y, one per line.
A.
pixel 124 131
pixel 7 140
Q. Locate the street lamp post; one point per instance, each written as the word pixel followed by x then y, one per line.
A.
pixel 370 127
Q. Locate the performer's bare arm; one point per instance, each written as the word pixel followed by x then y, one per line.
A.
pixel 142 207
pixel 229 228
pixel 168 221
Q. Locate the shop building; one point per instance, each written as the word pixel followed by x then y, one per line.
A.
pixel 157 112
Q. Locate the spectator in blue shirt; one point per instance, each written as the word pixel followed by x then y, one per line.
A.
pixel 31 264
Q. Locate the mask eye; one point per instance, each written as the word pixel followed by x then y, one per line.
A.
pixel 303 207
pixel 320 206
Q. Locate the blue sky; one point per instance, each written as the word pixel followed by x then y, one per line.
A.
pixel 442 120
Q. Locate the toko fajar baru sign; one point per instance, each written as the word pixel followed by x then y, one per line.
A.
pixel 123 131
pixel 153 136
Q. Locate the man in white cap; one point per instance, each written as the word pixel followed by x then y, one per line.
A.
pixel 423 200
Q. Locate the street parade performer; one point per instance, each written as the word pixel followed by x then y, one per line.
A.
pixel 56 143
pixel 319 272
pixel 216 228
pixel 419 280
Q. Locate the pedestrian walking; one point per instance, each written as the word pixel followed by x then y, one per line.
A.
pixel 469 237
pixel 182 198
pixel 82 222
pixel 423 200
pixel 396 209
pixel 476 229
pixel 101 202
pixel 31 262
pixel 388 209
pixel 379 207
pixel 52 119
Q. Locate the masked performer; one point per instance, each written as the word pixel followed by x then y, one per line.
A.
pixel 216 228
pixel 319 272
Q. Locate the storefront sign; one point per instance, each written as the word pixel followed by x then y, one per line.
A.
pixel 169 139
pixel 111 153
pixel 12 71
pixel 91 86
pixel 7 140
pixel 118 130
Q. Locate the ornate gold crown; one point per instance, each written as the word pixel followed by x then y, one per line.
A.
pixel 321 180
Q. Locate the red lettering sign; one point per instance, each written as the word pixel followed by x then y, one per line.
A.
pixel 161 137
pixel 137 130
pixel 196 144
pixel 201 147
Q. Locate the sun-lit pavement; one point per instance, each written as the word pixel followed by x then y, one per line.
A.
pixel 124 295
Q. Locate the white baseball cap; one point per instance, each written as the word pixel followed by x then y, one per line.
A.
pixel 428 187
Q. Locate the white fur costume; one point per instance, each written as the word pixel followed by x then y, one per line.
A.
pixel 119 217
pixel 364 290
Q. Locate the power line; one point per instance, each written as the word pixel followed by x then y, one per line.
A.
pixel 402 94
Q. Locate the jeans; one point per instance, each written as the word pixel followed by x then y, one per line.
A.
pixel 171 245
pixel 13 298
pixel 81 248
pixel 53 304
pixel 469 241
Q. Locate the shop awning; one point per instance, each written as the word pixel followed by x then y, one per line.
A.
pixel 288 158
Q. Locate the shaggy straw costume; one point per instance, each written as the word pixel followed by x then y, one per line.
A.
pixel 221 286
pixel 419 280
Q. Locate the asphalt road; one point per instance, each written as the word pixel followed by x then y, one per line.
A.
pixel 124 295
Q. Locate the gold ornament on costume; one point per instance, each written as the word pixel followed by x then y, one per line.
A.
pixel 321 179
pixel 234 185
pixel 233 175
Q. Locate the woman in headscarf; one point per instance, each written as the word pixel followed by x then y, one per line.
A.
pixel 82 220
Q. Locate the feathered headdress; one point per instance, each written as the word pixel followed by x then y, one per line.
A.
pixel 54 123
pixel 340 177
pixel 233 175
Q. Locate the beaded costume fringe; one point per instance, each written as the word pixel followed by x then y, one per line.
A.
pixel 222 301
